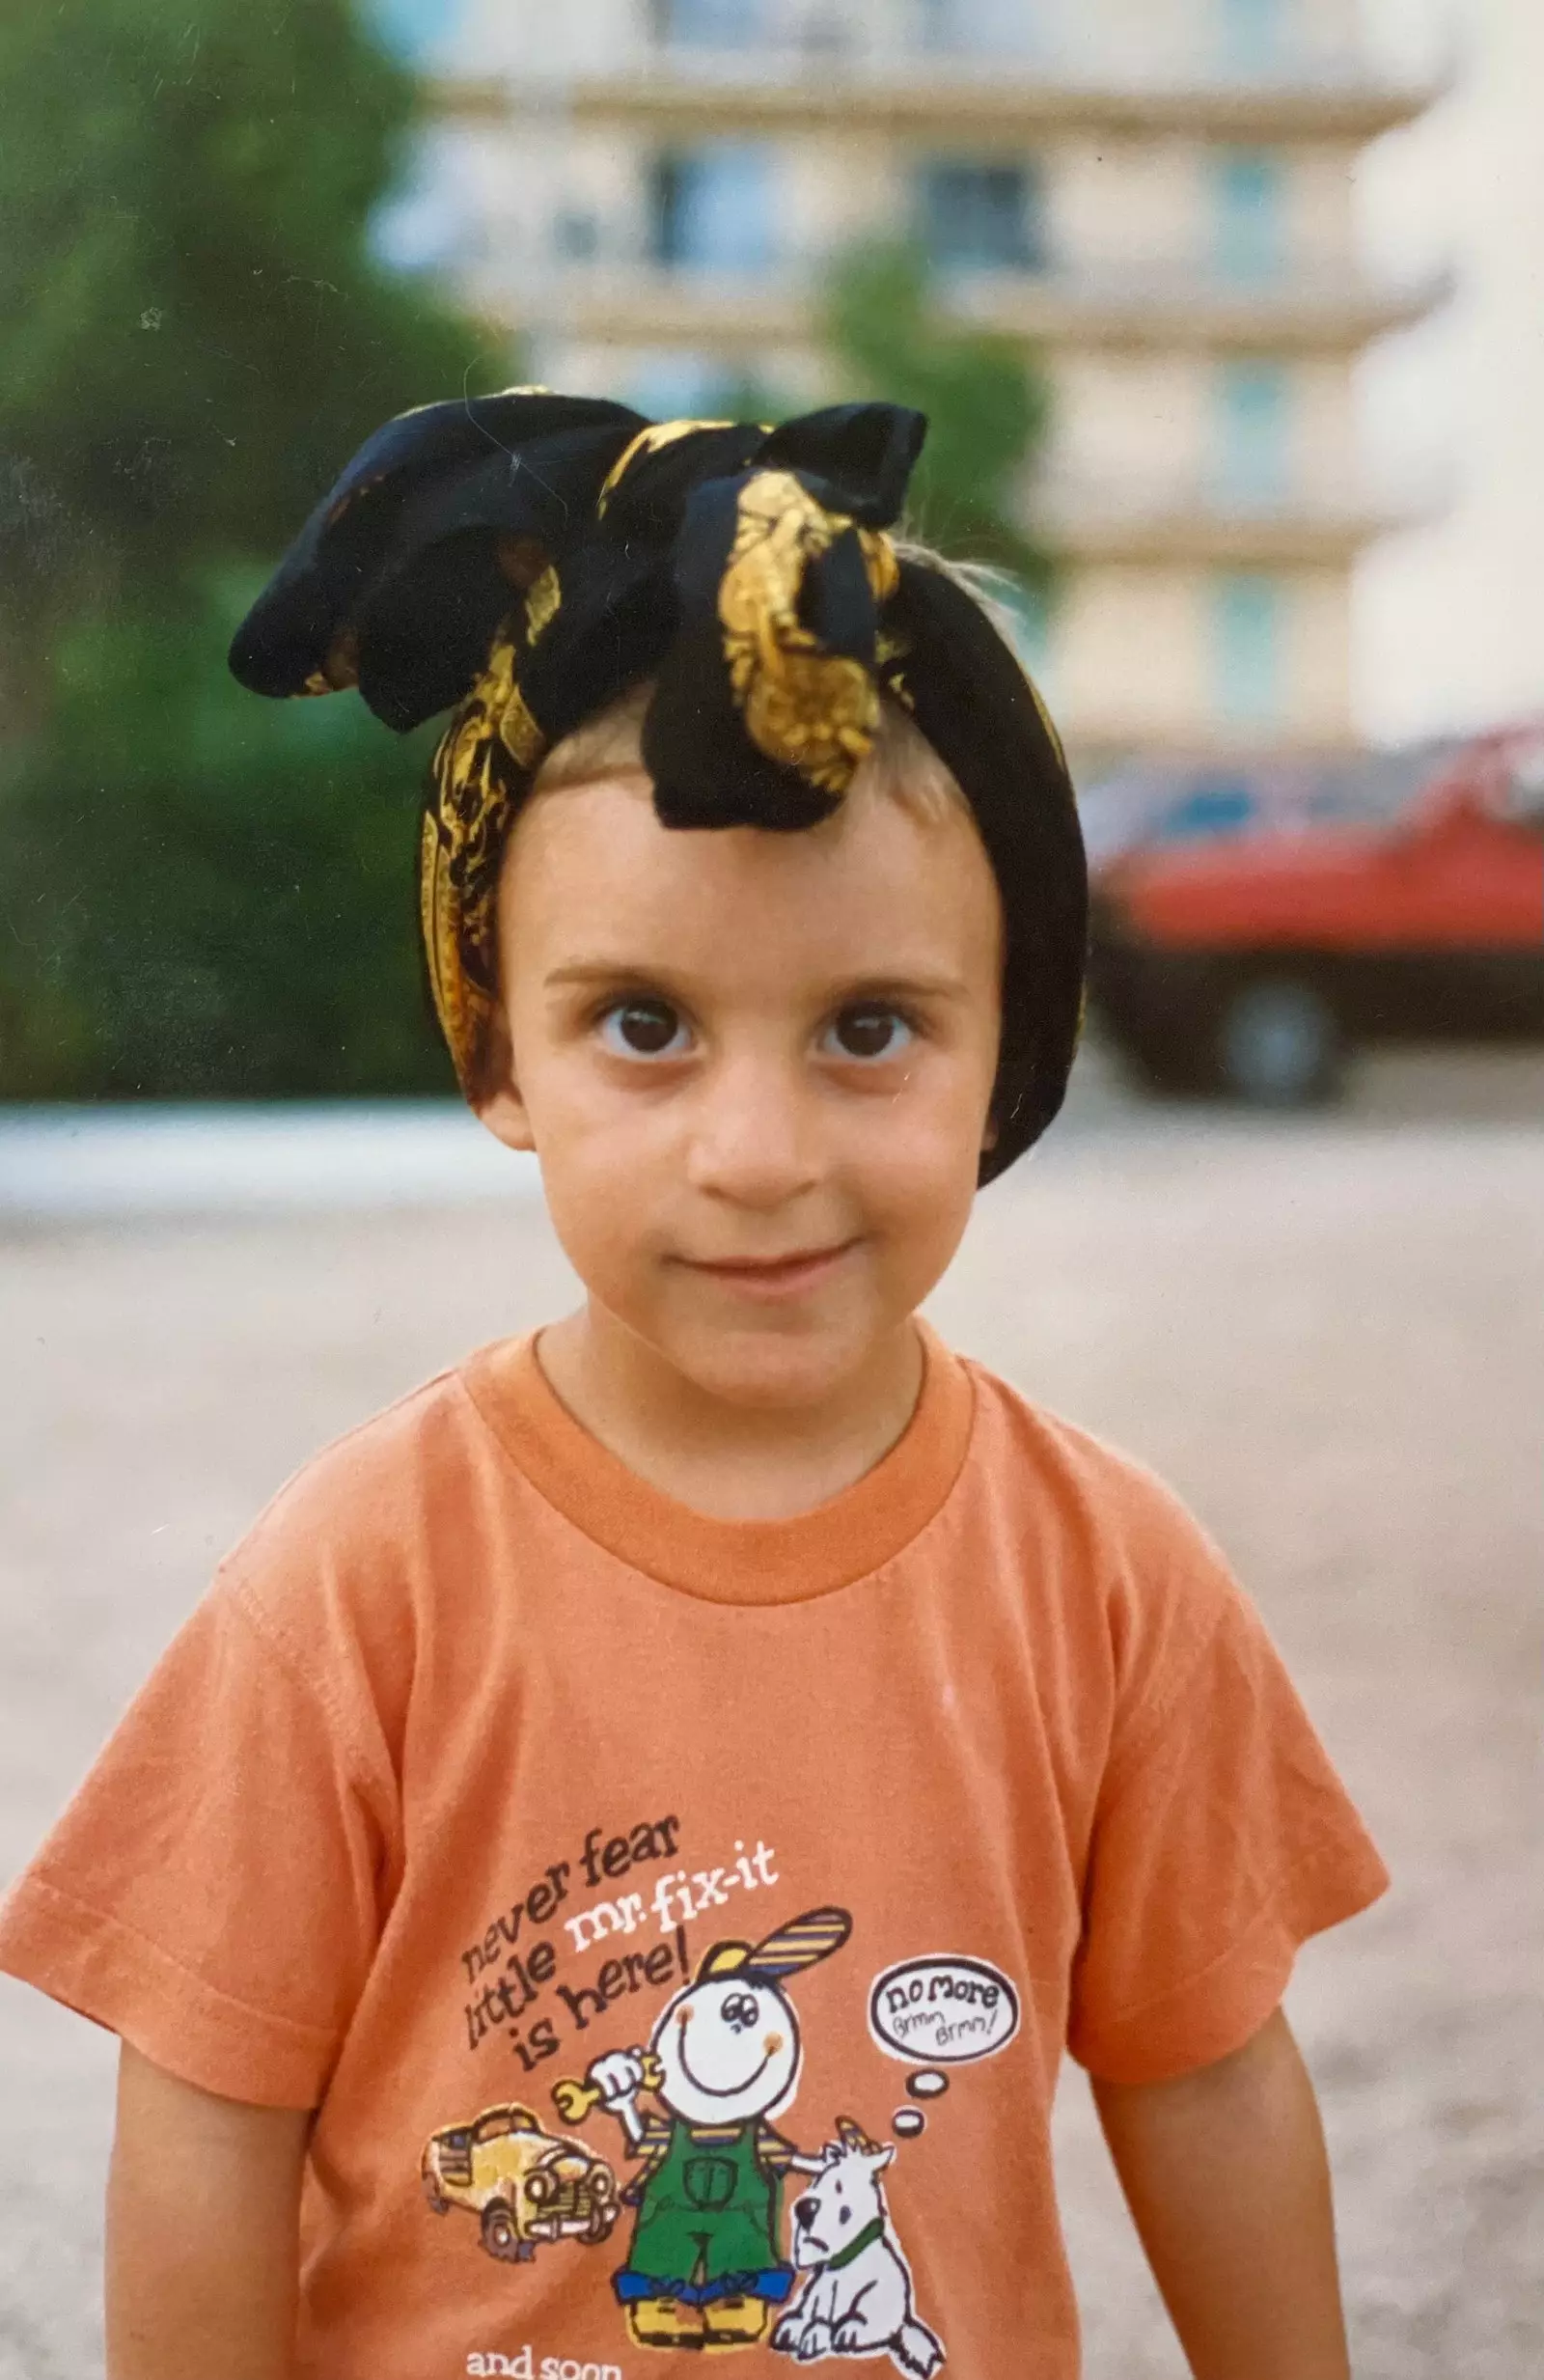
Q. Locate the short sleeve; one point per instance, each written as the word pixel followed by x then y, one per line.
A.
pixel 1222 1840
pixel 212 1895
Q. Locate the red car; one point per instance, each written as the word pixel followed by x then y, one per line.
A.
pixel 1250 964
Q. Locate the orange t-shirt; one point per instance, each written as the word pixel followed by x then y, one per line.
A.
pixel 792 1853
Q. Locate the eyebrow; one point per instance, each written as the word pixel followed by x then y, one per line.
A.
pixel 596 973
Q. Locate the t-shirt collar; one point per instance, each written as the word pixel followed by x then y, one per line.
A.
pixel 728 1561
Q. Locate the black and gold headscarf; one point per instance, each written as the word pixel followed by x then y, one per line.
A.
pixel 522 560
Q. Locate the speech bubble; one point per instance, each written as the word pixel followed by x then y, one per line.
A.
pixel 908 2121
pixel 928 2085
pixel 943 2010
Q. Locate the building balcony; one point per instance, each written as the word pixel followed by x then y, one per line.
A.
pixel 685 92
pixel 1170 306
pixel 1202 520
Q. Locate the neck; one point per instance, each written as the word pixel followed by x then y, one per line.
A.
pixel 731 1461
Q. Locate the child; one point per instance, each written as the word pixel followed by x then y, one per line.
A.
pixel 608 1874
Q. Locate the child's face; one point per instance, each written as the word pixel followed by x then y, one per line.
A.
pixel 755 1069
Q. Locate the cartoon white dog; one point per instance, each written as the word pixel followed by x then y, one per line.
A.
pixel 857 2300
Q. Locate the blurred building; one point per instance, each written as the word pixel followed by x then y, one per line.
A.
pixel 1156 193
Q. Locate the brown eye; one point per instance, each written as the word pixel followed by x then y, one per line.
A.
pixel 871 1030
pixel 642 1029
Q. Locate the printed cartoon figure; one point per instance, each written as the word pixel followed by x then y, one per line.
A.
pixel 857 2297
pixel 706 2267
pixel 523 2184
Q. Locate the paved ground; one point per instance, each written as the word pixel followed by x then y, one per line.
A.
pixel 1326 1334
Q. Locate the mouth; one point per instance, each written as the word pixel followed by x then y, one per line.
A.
pixel 774 1276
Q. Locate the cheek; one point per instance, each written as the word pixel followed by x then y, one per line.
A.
pixel 914 1159
pixel 603 1209
pixel 589 1138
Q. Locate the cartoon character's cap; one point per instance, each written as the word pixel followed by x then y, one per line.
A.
pixel 803 1943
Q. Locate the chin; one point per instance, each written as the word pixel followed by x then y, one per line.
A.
pixel 771 1370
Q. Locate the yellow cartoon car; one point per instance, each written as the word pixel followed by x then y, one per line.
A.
pixel 523 2184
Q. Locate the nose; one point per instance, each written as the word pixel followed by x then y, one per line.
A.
pixel 754 1134
pixel 804 2211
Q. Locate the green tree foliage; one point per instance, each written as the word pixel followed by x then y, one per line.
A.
pixel 205 895
pixel 201 892
pixel 985 402
pixel 195 331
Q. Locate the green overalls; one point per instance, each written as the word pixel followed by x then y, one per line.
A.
pixel 707 2222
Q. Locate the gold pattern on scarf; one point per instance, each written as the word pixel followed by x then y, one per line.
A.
pixel 813 711
pixel 891 652
pixel 649 441
pixel 438 911
pixel 541 603
pixel 479 771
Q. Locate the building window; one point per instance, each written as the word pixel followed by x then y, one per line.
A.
pixel 1253 405
pixel 674 384
pixel 575 235
pixel 1249 214
pixel 986 28
pixel 710 24
pixel 418 29
pixel 1251 32
pixel 974 216
pixel 1247 637
pixel 428 223
pixel 712 208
